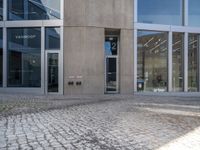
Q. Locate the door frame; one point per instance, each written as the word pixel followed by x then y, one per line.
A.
pixel 60 81
pixel 117 66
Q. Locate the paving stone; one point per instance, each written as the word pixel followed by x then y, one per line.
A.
pixel 112 122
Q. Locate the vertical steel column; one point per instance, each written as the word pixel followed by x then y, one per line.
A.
pixel 185 62
pixel 185 12
pixel 198 63
pixel 135 11
pixel 170 63
pixel 135 59
pixel 43 72
pixel 4 57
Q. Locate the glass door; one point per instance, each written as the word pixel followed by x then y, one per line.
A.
pixel 52 72
pixel 111 64
pixel 111 74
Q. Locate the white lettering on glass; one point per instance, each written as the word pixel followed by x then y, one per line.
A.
pixel 25 36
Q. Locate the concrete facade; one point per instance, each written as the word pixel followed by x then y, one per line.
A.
pixel 85 23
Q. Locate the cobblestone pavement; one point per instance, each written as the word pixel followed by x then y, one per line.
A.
pixel 107 123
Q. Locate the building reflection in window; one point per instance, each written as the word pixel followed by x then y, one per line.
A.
pixel 33 9
pixel 52 38
pixel 24 57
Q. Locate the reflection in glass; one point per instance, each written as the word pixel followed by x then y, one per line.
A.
pixel 52 72
pixel 160 11
pixel 178 49
pixel 194 13
pixel 111 46
pixel 1 10
pixel 1 58
pixel 33 9
pixel 193 51
pixel 111 74
pixel 52 38
pixel 24 57
pixel 152 61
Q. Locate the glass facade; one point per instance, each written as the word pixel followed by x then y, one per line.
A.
pixel 177 54
pixel 152 61
pixel 194 13
pixel 160 12
pixel 24 57
pixel 52 38
pixel 193 60
pixel 33 9
pixel 168 12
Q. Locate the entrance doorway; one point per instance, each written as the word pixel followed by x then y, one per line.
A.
pixel 52 72
pixel 111 64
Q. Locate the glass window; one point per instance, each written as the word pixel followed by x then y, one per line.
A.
pixel 152 61
pixel 24 57
pixel 193 50
pixel 178 49
pixel 1 10
pixel 160 12
pixel 33 9
pixel 52 38
pixel 194 13
pixel 1 58
pixel 111 45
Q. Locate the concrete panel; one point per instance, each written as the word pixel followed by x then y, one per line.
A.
pixel 126 62
pixel 74 12
pixel 99 13
pixel 84 60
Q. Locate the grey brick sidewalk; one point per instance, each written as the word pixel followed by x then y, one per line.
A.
pixel 107 122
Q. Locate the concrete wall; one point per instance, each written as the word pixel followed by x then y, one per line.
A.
pixel 126 62
pixel 99 13
pixel 85 22
pixel 84 56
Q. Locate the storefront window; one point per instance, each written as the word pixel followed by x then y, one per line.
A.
pixel 160 12
pixel 24 57
pixel 193 50
pixel 52 38
pixel 152 61
pixel 178 49
pixel 1 58
pixel 33 9
pixel 194 13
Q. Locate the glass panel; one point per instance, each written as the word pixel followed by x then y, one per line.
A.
pixel 33 9
pixel 52 72
pixel 24 57
pixel 1 10
pixel 160 12
pixel 178 49
pixel 111 74
pixel 111 46
pixel 1 58
pixel 152 61
pixel 194 12
pixel 52 38
pixel 193 51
